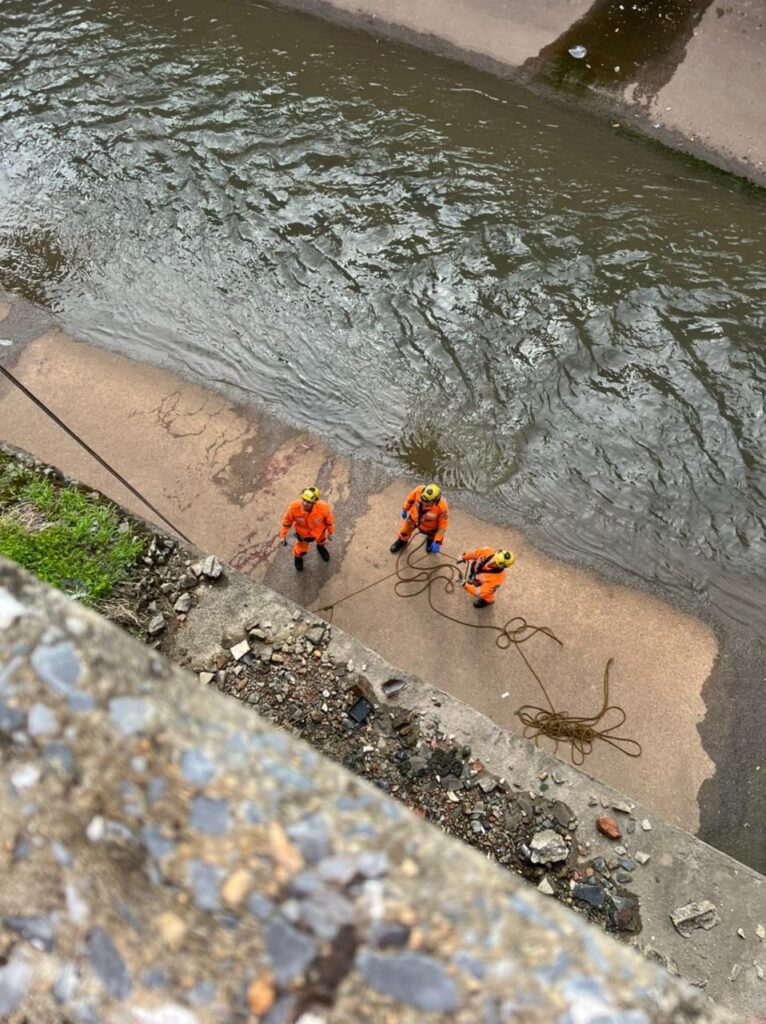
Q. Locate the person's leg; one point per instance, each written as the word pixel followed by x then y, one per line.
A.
pixel 324 554
pixel 299 550
pixel 481 603
pixel 404 535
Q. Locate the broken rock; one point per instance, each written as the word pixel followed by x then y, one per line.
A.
pixel 547 847
pixel 608 826
pixel 694 915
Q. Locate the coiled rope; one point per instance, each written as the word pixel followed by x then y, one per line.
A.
pixel 579 731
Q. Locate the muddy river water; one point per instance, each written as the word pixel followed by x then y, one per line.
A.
pixel 425 264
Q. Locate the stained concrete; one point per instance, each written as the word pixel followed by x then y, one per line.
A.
pixel 697 85
pixel 224 473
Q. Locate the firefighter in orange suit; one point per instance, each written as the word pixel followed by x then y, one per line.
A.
pixel 313 521
pixel 486 573
pixel 426 510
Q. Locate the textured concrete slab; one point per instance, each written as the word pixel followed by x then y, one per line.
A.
pixel 224 474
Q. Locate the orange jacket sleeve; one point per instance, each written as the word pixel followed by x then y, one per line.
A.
pixel 329 519
pixel 412 497
pixel 487 587
pixel 441 528
pixel 469 556
pixel 287 521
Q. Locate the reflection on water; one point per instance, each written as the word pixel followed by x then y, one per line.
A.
pixel 411 258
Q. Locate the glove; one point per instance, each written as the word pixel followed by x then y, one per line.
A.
pixel 435 547
pixel 328 538
pixel 404 513
pixel 284 542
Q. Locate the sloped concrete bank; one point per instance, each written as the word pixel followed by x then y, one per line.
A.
pixel 608 858
pixel 690 73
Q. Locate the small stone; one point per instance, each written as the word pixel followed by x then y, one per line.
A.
pixel 261 995
pixel 547 847
pixel 622 877
pixel 238 651
pixel 591 894
pixel 608 826
pixel 25 775
pixel 183 604
pixel 197 768
pixel 694 915
pixel 108 964
pixel 622 806
pixel 210 816
pixel 66 983
pixel 277 659
pixel 203 879
pixel 734 973
pixel 211 568
pixel 642 858
pixel 156 624
pixel 187 581
pixel 390 934
pixel 96 828
pixel 412 978
pixel 172 929
pixel 41 721
pixel 206 678
pixel 131 715
pixel 312 837
pixel 36 929
pixel 58 667
pixel 620 851
pixel 545 887
pixel 14 982
pixel 760 931
pixel 759 972
pixel 646 825
pixel 290 952
pixel 236 887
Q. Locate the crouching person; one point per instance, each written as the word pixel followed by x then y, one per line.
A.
pixel 486 573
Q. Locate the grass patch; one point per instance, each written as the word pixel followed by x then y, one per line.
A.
pixel 67 538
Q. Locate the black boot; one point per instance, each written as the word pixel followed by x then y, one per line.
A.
pixel 298 562
pixel 480 603
pixel 397 545
pixel 324 554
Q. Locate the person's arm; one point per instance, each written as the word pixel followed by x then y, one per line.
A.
pixel 412 497
pixel 443 523
pixel 287 522
pixel 329 519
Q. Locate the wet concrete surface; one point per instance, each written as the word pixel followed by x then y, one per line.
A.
pixel 224 473
pixel 692 73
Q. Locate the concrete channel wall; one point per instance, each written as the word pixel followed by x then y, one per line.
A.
pixel 169 858
pixel 691 73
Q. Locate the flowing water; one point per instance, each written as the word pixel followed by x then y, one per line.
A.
pixel 420 262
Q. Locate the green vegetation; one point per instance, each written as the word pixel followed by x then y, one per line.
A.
pixel 67 538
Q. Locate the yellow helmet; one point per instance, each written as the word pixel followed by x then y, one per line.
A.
pixel 310 494
pixel 504 559
pixel 431 493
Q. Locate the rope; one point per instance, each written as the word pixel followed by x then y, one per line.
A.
pixel 579 731
pixel 83 444
pixel 413 578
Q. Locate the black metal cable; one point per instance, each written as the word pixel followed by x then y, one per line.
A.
pixel 59 422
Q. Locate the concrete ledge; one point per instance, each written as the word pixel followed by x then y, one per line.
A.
pixel 168 857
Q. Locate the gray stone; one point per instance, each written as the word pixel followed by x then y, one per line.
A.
pixel 211 568
pixel 14 982
pixel 260 906
pixel 646 825
pixel 66 983
pixel 60 853
pixel 11 719
pixel 158 845
pixel 290 951
pixel 60 759
pixel 204 881
pixel 547 847
pixel 197 768
pixel 326 912
pixel 41 721
pixel 131 715
pixel 390 935
pixel 694 915
pixel 340 870
pixel 25 775
pixel 238 651
pixel 156 624
pixel 108 964
pixel 58 667
pixel 312 837
pixel 545 887
pixel 412 978
pixel 622 806
pixel 592 894
pixel 37 929
pixel 183 604
pixel 210 816
pixel 187 581
pixel 642 858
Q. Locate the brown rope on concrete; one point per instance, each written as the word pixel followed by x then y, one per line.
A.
pixel 580 731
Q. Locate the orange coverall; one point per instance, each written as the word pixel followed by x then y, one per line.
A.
pixel 488 576
pixel 432 520
pixel 316 525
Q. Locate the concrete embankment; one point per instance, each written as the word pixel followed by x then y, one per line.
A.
pixel 691 73
pixel 224 474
